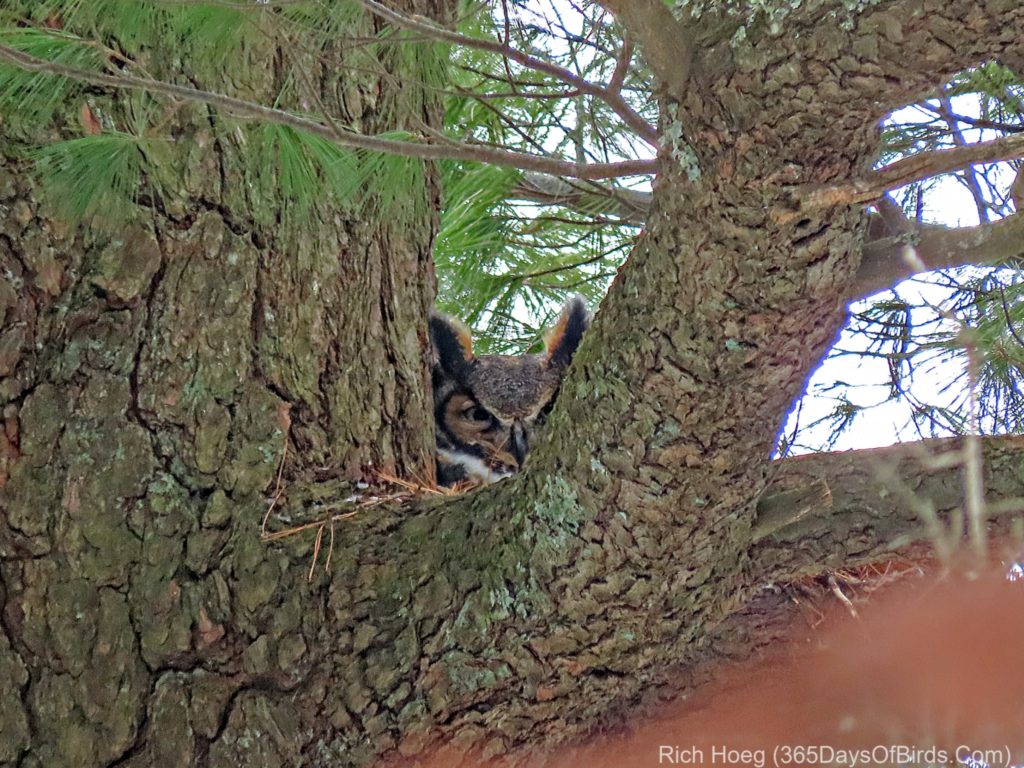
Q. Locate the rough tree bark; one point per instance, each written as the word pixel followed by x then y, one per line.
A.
pixel 145 623
pixel 148 377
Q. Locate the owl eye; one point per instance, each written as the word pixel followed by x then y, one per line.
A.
pixel 543 414
pixel 476 413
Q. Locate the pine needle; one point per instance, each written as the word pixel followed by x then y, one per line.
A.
pixel 92 176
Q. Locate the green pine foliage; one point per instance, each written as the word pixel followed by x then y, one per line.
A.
pixel 508 273
pixel 31 98
pixel 307 168
pixel 100 177
pixel 991 307
pixel 92 175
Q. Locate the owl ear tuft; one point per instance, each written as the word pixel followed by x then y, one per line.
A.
pixel 563 339
pixel 453 344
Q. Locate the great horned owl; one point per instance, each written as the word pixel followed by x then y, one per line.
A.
pixel 488 407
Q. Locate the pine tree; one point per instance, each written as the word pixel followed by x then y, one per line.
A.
pixel 217 230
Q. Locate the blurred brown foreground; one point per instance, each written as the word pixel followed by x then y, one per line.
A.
pixel 927 675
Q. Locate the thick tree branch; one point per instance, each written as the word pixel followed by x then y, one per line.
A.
pixel 610 95
pixel 665 42
pixel 883 264
pixel 846 509
pixel 907 171
pixel 911 54
pixel 422 150
pixel 873 187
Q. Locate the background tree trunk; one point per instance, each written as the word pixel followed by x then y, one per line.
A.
pixel 149 378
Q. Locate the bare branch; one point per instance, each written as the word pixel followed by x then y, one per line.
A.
pixel 883 264
pixel 974 122
pixel 665 42
pixel 611 96
pixel 622 63
pixel 906 171
pixel 422 149
pixel 628 205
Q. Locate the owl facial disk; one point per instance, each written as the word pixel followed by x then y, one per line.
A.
pixel 471 425
pixel 486 407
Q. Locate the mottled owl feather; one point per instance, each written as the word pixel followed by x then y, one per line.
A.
pixel 488 408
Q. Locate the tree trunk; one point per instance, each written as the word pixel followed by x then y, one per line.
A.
pixel 150 379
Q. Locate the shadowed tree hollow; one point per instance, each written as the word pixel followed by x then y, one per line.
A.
pixel 187 330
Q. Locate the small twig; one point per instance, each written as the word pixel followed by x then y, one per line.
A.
pixel 419 485
pixel 834 586
pixel 286 532
pixel 613 99
pixel 316 551
pixel 330 549
pixel 316 548
pixel 278 487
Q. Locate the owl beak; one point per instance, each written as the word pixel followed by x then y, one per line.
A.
pixel 519 442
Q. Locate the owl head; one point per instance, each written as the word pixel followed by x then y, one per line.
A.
pixel 487 408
